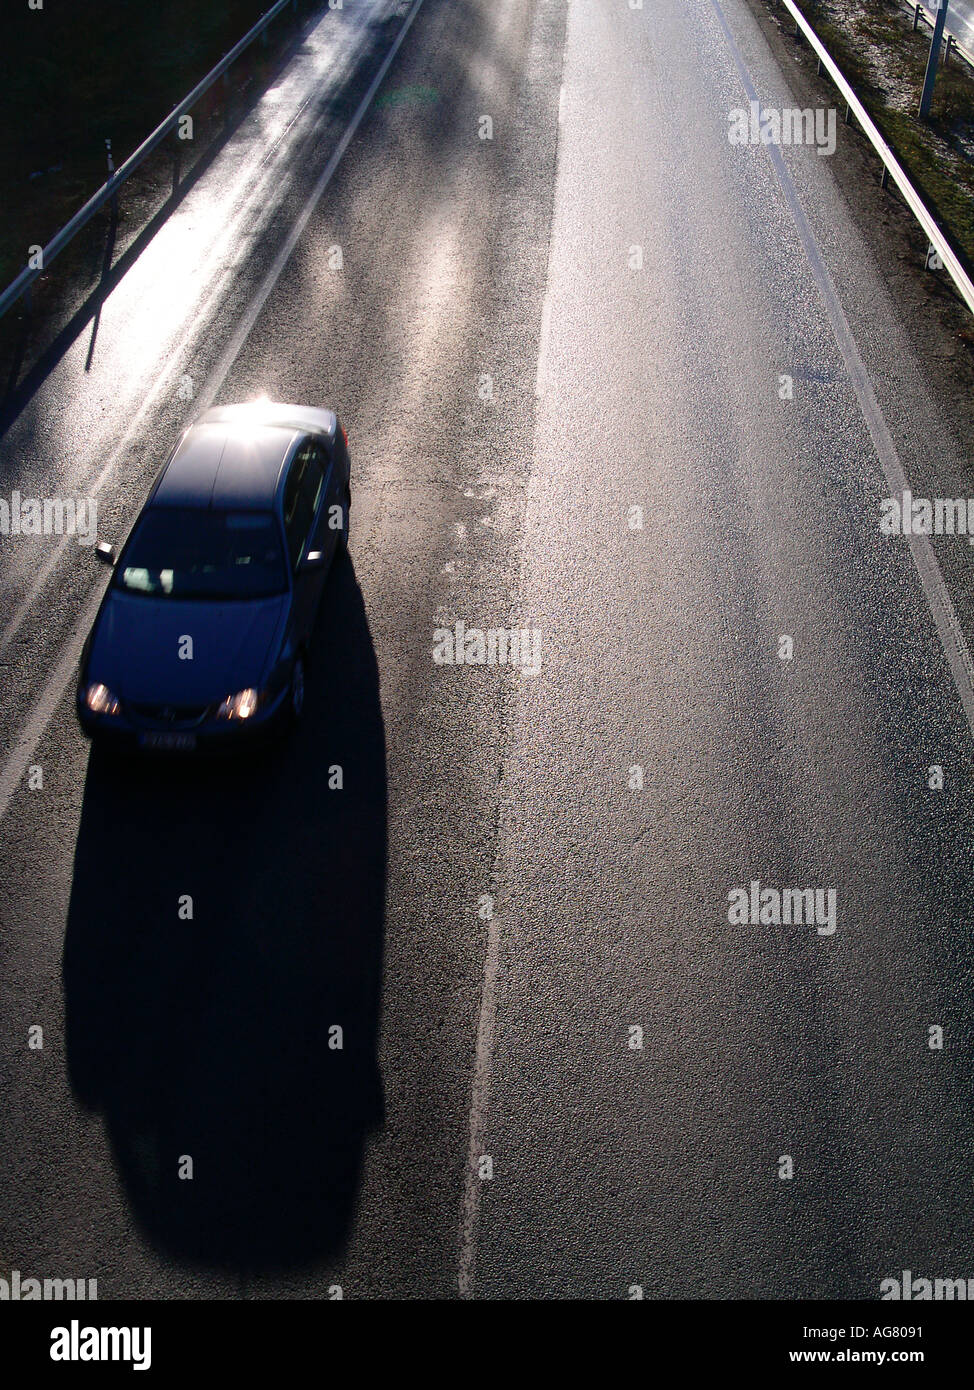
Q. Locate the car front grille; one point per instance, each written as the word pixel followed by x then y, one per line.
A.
pixel 170 716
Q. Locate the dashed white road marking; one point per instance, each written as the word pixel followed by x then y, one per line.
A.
pixel 483 1062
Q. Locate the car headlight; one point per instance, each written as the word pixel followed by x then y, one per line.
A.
pixel 100 699
pixel 240 706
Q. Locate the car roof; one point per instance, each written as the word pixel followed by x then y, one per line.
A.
pixel 293 417
pixel 226 465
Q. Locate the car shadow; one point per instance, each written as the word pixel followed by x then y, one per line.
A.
pixel 222 971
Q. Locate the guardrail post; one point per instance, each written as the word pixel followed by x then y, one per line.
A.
pixel 111 175
pixel 916 18
pixel 176 162
pixel 931 74
pixel 110 235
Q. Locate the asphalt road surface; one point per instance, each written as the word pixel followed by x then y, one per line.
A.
pixel 561 355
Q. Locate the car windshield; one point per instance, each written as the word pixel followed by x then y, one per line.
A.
pixel 196 553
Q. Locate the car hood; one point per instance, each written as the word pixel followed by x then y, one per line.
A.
pixel 136 643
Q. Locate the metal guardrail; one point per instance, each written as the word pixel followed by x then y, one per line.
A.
pixel 109 190
pixel 891 165
pixel 952 43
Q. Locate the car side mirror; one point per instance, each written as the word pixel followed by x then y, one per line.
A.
pixel 105 553
pixel 314 560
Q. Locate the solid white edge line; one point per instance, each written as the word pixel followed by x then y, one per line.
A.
pixel 939 603
pixel 47 703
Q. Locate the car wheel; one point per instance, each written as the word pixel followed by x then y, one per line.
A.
pixel 296 703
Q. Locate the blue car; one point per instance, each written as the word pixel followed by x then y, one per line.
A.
pixel 201 639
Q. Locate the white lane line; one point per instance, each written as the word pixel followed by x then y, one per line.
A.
pixel 484 1051
pixel 479 1097
pixel 29 600
pixel 11 775
pixel 15 764
pixel 935 590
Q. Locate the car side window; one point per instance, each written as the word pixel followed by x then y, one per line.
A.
pixel 313 478
pixel 298 511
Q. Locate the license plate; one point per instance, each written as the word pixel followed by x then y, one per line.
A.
pixel 176 743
